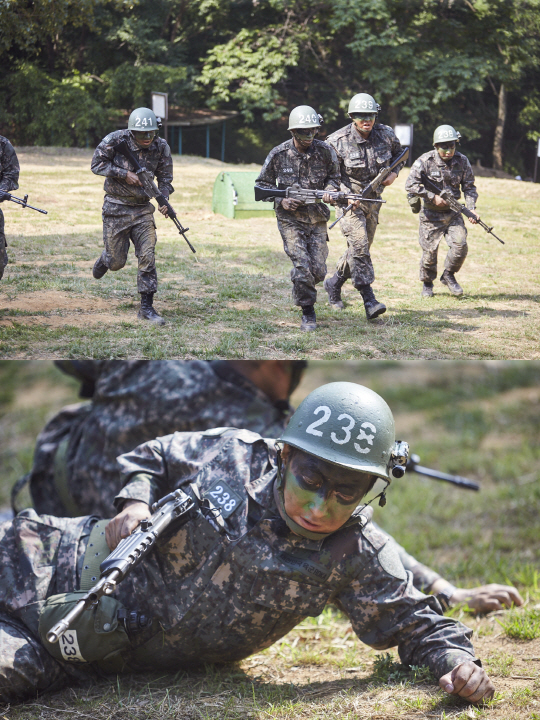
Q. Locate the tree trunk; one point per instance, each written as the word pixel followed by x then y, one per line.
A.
pixel 499 130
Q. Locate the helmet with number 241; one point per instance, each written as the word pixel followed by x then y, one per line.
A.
pixel 346 424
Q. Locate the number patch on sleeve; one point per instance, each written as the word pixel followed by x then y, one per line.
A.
pixel 224 498
pixel 69 647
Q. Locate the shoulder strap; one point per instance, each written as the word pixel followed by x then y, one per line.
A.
pixel 96 552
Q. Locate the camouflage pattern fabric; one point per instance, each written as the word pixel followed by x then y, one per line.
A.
pixel 122 223
pixel 437 222
pixel 9 180
pixel 306 244
pixel 264 579
pixel 360 161
pixel 135 401
pixel 423 576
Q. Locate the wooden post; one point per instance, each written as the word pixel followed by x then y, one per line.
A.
pixel 223 142
pixel 208 141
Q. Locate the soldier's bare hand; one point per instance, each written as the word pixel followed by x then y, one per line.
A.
pixel 164 211
pixel 355 205
pixel 132 178
pixel 475 219
pixel 328 199
pixel 437 200
pixel 468 681
pixel 125 522
pixel 487 598
pixel 290 204
pixel 390 179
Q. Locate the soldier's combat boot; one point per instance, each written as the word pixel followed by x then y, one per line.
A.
pixel 309 319
pixel 333 287
pixel 449 279
pixel 99 269
pixel 427 290
pixel 147 311
pixel 374 308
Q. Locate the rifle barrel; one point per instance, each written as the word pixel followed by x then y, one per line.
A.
pixel 445 477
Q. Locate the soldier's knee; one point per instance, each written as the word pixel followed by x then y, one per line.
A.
pixel 116 264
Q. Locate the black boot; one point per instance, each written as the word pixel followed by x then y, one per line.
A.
pixel 333 287
pixel 99 269
pixel 374 308
pixel 449 279
pixel 427 290
pixel 147 311
pixel 309 319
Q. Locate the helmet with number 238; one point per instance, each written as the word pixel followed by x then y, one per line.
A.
pixel 346 424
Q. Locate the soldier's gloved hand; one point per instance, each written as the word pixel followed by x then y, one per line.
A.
pixel 437 200
pixel 126 521
pixel 468 681
pixel 390 179
pixel 473 220
pixel 487 598
pixel 132 178
pixel 3 196
pixel 290 204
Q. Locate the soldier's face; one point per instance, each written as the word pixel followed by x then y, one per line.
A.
pixel 446 150
pixel 364 122
pixel 143 139
pixel 318 495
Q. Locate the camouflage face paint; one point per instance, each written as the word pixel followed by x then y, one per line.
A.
pixel 446 150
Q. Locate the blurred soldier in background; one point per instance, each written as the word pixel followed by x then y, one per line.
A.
pixel 450 170
pixel 9 180
pixel 308 163
pixel 127 210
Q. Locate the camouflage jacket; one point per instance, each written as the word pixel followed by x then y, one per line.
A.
pixel 9 166
pixel 135 401
pixel 264 579
pixel 316 169
pixel 454 175
pixel 361 159
pixel 157 158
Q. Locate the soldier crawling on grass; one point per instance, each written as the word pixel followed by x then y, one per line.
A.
pixel 127 211
pixel 450 170
pixel 290 536
pixel 311 164
pixel 9 180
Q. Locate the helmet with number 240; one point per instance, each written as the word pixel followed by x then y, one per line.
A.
pixel 346 424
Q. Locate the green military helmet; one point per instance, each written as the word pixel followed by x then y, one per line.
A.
pixel 142 120
pixel 445 133
pixel 304 116
pixel 348 425
pixel 363 103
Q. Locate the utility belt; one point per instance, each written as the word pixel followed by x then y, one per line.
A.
pixel 436 208
pixel 131 200
pixel 101 633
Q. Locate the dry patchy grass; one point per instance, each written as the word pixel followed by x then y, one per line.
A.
pixel 236 301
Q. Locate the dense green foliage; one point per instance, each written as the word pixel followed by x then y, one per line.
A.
pixel 71 66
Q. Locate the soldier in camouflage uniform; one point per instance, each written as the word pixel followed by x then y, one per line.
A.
pixel 127 211
pixel 312 164
pixel 9 180
pixel 364 148
pixel 450 170
pixel 292 537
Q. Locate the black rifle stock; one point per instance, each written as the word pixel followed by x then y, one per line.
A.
pixel 22 202
pixel 151 189
pixel 413 466
pixel 453 204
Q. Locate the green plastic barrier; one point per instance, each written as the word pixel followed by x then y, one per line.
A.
pixel 234 197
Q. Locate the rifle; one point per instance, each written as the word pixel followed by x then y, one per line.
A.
pixel 151 189
pixel 413 466
pixel 306 196
pixel 23 203
pixel 130 551
pixel 454 205
pixel 375 184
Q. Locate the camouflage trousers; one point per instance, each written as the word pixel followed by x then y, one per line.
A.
pixel 3 243
pixel 306 245
pixel 122 223
pixel 359 228
pixel 434 226
pixel 40 556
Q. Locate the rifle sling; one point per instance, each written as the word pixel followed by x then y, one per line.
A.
pixel 96 552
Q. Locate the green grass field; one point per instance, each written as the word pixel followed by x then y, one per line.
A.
pixel 235 302
pixel 478 419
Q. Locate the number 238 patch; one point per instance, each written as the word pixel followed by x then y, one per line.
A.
pixel 223 497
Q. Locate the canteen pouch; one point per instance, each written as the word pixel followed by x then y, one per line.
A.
pixel 95 636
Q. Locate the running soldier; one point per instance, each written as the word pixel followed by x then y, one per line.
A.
pixel 451 171
pixel 364 148
pixel 312 164
pixel 9 180
pixel 127 211
pixel 292 536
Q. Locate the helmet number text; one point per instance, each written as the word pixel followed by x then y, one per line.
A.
pixel 308 119
pixel 364 105
pixel 368 437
